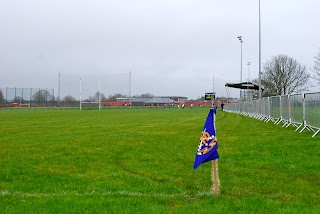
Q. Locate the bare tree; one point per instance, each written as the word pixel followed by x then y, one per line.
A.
pixel 1 96
pixel 103 97
pixel 113 98
pixel 42 96
pixel 69 99
pixel 146 95
pixel 284 75
pixel 316 68
pixel 95 98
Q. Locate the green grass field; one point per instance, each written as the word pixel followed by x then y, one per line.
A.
pixel 141 161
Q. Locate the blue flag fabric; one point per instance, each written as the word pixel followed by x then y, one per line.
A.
pixel 208 145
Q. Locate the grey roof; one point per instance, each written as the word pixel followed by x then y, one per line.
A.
pixel 159 100
pixel 139 100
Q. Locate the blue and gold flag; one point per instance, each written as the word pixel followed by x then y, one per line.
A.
pixel 208 145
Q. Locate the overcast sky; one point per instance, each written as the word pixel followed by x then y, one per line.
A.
pixel 171 47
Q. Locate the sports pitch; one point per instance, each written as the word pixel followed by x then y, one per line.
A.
pixel 141 161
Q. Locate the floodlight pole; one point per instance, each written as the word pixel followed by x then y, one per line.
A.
pixel 248 81
pixel 259 52
pixel 241 41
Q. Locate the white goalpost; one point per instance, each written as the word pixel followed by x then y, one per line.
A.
pixel 87 102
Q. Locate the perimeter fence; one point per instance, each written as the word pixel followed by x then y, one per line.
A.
pixel 301 111
pixel 26 97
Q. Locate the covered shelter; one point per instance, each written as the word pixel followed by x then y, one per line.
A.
pixel 244 85
pixel 250 89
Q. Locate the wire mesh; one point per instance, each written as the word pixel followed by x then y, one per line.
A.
pixel 312 109
pixel 26 97
pixel 296 108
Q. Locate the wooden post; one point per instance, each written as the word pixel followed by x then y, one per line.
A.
pixel 215 178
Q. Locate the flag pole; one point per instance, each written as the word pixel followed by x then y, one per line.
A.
pixel 208 150
pixel 215 175
pixel 215 178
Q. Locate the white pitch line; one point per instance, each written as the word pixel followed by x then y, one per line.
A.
pixel 106 193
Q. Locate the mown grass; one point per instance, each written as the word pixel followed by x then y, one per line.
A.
pixel 141 161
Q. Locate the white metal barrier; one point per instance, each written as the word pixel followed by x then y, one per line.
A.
pixel 312 111
pixel 265 107
pixel 298 110
pixel 275 109
pixel 285 110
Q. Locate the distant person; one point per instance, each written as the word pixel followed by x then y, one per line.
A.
pixel 222 105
